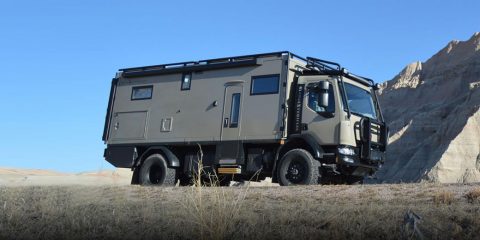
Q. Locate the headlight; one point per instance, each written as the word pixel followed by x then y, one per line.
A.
pixel 346 151
pixel 348 159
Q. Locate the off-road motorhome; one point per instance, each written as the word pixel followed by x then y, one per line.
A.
pixel 299 121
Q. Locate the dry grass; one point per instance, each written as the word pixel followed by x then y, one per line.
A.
pixel 473 196
pixel 443 197
pixel 212 222
pixel 310 212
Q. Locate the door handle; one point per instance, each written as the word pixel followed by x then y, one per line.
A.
pixel 225 122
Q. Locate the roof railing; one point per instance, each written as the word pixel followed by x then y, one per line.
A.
pixel 322 64
pixel 204 62
pixel 329 67
pixel 314 64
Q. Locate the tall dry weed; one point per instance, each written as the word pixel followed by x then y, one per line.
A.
pixel 443 197
pixel 214 212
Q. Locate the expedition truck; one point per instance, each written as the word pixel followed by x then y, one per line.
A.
pixel 297 120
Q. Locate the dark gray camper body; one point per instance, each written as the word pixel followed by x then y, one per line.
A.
pixel 246 113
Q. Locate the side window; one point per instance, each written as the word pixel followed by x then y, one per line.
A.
pixel 186 81
pixel 313 101
pixel 142 92
pixel 235 111
pixel 264 84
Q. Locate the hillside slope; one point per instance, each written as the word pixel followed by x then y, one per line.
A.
pixel 433 112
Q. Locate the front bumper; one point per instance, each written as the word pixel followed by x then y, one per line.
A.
pixel 377 158
pixel 355 165
pixel 369 154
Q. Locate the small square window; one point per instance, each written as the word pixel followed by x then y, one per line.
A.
pixel 186 81
pixel 142 92
pixel 264 85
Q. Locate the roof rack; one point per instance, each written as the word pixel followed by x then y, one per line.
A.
pixel 333 68
pixel 242 58
pixel 203 62
pixel 313 64
pixel 322 65
pixel 162 66
pixel 209 64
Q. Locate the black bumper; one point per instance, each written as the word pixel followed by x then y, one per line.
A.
pixel 120 156
pixel 352 165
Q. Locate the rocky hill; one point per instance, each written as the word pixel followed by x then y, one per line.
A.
pixel 433 112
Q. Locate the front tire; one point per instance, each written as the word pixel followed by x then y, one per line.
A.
pixel 155 171
pixel 298 167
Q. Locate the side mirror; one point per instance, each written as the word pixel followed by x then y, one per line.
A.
pixel 323 87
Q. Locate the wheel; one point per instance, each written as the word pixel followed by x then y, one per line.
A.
pixel 298 167
pixel 353 180
pixel 154 171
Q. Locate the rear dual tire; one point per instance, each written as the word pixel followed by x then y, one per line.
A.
pixel 155 171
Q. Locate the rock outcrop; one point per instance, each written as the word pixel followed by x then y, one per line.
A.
pixel 432 109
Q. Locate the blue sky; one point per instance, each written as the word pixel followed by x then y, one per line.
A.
pixel 57 58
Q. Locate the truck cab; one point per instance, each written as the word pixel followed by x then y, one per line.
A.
pixel 343 116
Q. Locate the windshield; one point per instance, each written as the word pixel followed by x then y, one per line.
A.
pixel 360 101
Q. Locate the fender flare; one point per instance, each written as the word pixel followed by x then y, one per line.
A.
pixel 317 150
pixel 172 160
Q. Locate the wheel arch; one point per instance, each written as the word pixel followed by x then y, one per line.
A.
pixel 303 141
pixel 170 157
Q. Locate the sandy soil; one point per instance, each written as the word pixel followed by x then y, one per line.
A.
pixel 37 177
pixel 116 177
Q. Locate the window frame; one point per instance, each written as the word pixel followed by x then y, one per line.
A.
pixel 232 110
pixel 141 87
pixel 189 82
pixel 331 93
pixel 253 78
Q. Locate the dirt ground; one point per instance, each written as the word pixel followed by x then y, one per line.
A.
pixel 400 211
pixel 40 177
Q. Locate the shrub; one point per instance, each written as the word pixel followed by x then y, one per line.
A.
pixel 473 196
pixel 443 197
